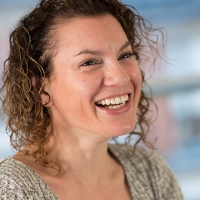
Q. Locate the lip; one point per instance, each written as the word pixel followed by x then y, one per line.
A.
pixel 119 110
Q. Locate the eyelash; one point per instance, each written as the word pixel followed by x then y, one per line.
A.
pixel 128 55
pixel 90 62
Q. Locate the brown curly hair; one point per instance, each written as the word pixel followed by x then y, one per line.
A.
pixel 31 53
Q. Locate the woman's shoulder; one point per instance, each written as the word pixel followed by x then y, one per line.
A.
pixel 140 155
pixel 15 179
pixel 18 181
pixel 141 158
pixel 8 164
pixel 149 169
pixel 15 170
pixel 12 179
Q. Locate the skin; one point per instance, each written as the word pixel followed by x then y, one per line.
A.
pixel 92 63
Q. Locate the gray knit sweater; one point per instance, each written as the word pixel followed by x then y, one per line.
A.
pixel 148 177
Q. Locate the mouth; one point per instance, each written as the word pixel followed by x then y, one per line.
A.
pixel 114 103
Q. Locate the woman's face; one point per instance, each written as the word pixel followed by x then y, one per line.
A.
pixel 96 83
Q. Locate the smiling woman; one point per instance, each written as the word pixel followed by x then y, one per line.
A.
pixel 71 82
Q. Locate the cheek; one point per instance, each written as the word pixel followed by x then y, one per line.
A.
pixel 90 84
pixel 136 78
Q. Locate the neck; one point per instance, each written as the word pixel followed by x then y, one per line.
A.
pixel 84 157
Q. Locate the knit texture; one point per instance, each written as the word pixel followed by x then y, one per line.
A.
pixel 147 175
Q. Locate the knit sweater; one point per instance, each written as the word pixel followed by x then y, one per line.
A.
pixel 147 175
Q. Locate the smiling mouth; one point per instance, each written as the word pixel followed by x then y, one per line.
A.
pixel 114 103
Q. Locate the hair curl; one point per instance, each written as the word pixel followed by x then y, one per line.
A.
pixel 31 53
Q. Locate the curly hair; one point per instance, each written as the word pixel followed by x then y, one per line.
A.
pixel 31 53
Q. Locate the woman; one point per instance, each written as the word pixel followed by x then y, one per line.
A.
pixel 71 82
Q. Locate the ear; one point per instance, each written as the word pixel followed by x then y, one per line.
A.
pixel 42 91
pixel 45 98
pixel 46 95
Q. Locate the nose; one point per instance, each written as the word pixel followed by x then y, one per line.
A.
pixel 116 75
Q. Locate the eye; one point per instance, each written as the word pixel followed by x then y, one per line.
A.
pixel 128 55
pixel 89 62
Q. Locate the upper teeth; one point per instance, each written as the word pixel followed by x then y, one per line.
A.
pixel 117 100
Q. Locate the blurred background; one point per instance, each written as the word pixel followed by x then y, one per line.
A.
pixel 175 85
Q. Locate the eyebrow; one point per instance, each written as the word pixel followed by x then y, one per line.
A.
pixel 124 46
pixel 87 51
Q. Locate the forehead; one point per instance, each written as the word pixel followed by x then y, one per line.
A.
pixel 89 30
